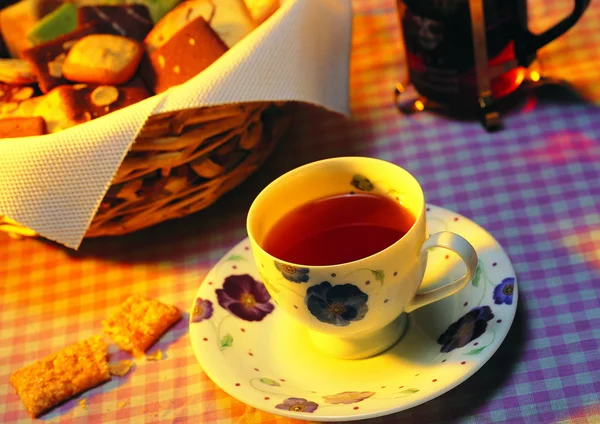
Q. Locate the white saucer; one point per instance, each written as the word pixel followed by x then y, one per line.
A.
pixel 271 364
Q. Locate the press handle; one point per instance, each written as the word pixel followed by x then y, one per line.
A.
pixel 533 42
pixel 464 250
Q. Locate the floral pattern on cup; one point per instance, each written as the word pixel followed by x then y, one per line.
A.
pixel 337 305
pixel 298 405
pixel 468 328
pixel 245 297
pixel 203 309
pixel 348 397
pixel 362 183
pixel 292 273
pixel 503 292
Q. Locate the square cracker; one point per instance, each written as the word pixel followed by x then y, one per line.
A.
pixel 139 323
pixel 60 376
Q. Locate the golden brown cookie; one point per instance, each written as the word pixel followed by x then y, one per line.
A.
pixel 187 53
pixel 139 323
pixel 103 59
pixel 58 377
pixel 47 59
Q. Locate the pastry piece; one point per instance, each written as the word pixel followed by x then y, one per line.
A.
pixel 58 377
pixel 47 59
pixel 17 20
pixel 16 71
pixel 187 53
pixel 69 105
pixel 60 22
pixel 15 93
pixel 139 323
pixel 132 21
pixel 260 10
pixel 176 20
pixel 22 127
pixel 228 18
pixel 103 59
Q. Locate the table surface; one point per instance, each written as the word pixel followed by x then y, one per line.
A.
pixel 535 186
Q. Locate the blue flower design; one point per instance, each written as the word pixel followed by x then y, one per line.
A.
pixel 293 273
pixel 469 327
pixel 503 292
pixel 337 305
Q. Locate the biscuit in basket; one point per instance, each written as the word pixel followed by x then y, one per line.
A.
pixel 58 377
pixel 260 10
pixel 22 127
pixel 139 323
pixel 176 20
pixel 103 59
pixel 131 20
pixel 187 53
pixel 47 59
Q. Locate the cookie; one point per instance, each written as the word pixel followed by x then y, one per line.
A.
pixel 60 22
pixel 70 105
pixel 260 10
pixel 103 59
pixel 139 323
pixel 47 59
pixel 58 377
pixel 17 72
pixel 22 127
pixel 187 53
pixel 132 21
pixel 176 20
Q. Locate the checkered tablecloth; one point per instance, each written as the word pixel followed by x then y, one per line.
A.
pixel 535 186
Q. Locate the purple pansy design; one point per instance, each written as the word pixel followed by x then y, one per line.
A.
pixel 337 305
pixel 292 273
pixel 503 292
pixel 469 327
pixel 298 405
pixel 203 309
pixel 245 297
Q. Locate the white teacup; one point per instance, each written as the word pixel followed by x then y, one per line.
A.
pixel 356 309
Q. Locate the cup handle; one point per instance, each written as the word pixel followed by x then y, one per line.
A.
pixel 466 252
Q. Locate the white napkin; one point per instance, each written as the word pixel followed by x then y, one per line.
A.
pixel 54 184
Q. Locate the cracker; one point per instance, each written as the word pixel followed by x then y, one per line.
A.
pixel 58 377
pixel 139 323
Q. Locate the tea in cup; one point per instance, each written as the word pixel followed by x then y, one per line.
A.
pixel 341 245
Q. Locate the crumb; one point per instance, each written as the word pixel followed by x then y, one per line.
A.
pixel 121 404
pixel 83 404
pixel 139 323
pixel 156 356
pixel 121 368
pixel 60 376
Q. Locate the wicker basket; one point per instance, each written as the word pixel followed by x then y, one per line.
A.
pixel 184 161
